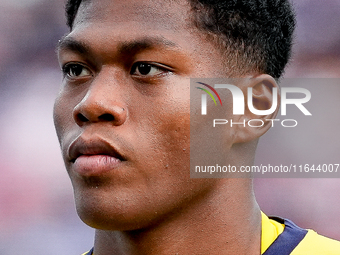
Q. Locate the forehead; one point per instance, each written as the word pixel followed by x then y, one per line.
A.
pixel 104 23
pixel 154 14
pixel 165 25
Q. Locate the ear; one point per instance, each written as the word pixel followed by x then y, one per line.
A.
pixel 262 108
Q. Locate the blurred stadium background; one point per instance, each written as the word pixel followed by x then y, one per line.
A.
pixel 37 214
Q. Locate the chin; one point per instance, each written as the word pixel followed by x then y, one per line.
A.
pixel 112 219
pixel 114 212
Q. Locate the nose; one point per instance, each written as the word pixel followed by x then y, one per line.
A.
pixel 100 104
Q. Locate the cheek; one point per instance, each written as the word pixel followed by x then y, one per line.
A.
pixel 59 116
pixel 173 127
pixel 175 182
pixel 165 132
pixel 176 145
pixel 62 116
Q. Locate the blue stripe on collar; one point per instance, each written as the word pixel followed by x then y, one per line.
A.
pixel 287 241
pixel 90 252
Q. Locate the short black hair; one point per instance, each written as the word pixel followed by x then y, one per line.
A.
pixel 256 35
pixel 71 9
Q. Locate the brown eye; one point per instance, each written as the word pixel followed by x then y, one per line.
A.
pixel 144 69
pixel 147 69
pixel 75 70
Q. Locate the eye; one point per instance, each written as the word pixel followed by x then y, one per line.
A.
pixel 148 69
pixel 73 70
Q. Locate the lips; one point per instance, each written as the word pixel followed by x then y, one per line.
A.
pixel 93 156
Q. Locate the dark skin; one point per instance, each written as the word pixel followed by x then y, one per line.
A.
pixel 123 122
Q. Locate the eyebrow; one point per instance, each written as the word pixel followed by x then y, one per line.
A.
pixel 129 47
pixel 69 43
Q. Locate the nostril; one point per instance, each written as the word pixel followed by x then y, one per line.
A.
pixel 106 117
pixel 82 118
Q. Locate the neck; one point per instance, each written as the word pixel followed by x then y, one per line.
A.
pixel 227 221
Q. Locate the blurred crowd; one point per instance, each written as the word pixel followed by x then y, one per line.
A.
pixel 37 214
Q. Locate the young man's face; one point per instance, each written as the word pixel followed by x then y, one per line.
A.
pixel 123 113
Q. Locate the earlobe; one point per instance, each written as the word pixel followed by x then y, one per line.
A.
pixel 261 108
